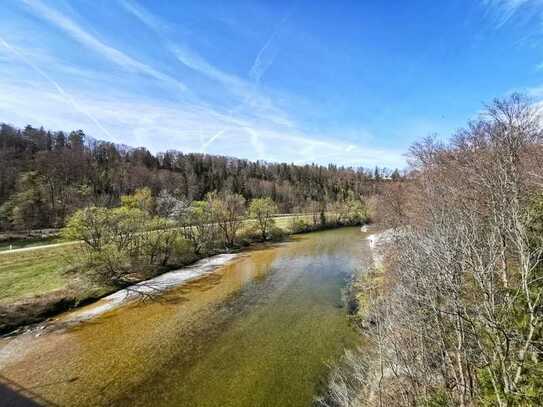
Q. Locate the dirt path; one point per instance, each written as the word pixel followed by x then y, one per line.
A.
pixel 53 245
pixel 45 246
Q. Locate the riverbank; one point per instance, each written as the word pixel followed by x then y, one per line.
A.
pixel 355 378
pixel 70 290
pixel 143 291
pixel 261 315
pixel 79 291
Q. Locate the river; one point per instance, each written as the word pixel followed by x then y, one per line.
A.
pixel 261 330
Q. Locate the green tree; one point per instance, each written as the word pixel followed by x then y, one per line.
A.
pixel 198 226
pixel 227 211
pixel 262 210
pixel 27 208
pixel 76 140
pixel 161 243
pixel 122 243
pixel 352 211
pixel 111 240
pixel 141 199
pixel 395 176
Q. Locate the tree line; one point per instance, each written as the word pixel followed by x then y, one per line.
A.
pixel 147 235
pixel 46 176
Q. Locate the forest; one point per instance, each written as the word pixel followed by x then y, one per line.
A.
pixel 45 176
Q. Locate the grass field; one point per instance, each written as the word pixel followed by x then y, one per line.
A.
pixel 34 272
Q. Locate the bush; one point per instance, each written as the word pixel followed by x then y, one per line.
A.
pixel 299 225
pixel 123 244
pixel 276 234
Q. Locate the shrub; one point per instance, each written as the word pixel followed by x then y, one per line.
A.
pixel 276 234
pixel 121 242
pixel 299 225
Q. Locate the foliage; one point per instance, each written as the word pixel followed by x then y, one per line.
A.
pixel 227 211
pixel 534 220
pixel 121 242
pixel 26 208
pixel 276 234
pixel 351 211
pixel 141 199
pixel 299 225
pixel 262 210
pixel 198 226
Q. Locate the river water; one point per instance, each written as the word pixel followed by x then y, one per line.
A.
pixel 261 330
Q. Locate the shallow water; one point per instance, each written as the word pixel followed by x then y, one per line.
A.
pixel 261 330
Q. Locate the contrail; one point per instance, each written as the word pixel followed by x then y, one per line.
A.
pixel 59 89
pixel 260 65
pixel 255 141
pixel 212 139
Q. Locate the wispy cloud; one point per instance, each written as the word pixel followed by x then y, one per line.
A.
pixel 85 38
pixel 247 123
pixel 265 57
pixel 505 10
pixel 67 97
pixel 170 125
pixel 150 20
pixel 256 122
pixel 183 53
pixel 250 101
pixel 193 60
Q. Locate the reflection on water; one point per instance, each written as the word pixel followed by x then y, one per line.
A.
pixel 259 331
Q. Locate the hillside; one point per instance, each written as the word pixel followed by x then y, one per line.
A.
pixel 47 175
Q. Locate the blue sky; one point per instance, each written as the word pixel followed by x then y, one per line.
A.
pixel 345 82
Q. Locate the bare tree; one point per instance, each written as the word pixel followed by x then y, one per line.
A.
pixel 461 319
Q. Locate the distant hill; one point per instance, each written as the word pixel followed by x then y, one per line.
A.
pixel 49 174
